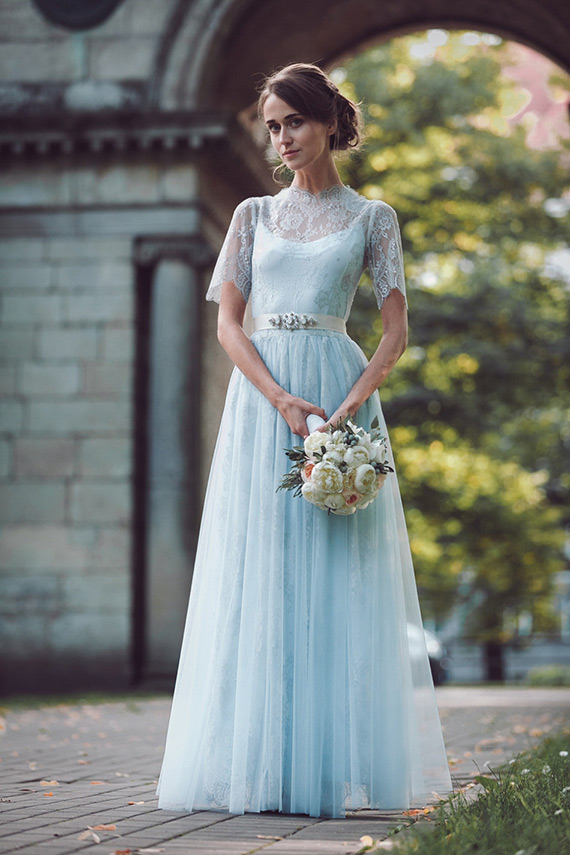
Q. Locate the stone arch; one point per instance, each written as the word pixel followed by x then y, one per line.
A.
pixel 214 50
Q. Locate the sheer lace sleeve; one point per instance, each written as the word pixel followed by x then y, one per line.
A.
pixel 384 252
pixel 234 260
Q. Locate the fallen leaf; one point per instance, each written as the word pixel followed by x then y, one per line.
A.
pixel 47 794
pixel 49 783
pixel 122 852
pixel 104 827
pixel 83 762
pixel 267 837
pixel 367 840
pixel 122 774
pixel 97 782
pixel 33 765
pixel 89 835
pixel 135 803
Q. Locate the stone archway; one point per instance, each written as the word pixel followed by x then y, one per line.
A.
pixel 220 48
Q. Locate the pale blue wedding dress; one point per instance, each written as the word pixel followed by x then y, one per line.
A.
pixel 304 684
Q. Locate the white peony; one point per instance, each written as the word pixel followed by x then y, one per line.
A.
pixel 334 457
pixel 356 456
pixel 365 480
pixel 314 442
pixel 380 452
pixel 335 501
pixel 327 477
pixel 312 494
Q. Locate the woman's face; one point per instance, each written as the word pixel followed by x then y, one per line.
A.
pixel 301 142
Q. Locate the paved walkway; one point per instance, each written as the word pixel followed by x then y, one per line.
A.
pixel 83 777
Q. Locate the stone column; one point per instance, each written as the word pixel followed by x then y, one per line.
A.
pixel 173 448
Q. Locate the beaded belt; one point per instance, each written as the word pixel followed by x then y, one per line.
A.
pixel 295 321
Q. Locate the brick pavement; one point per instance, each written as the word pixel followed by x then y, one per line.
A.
pixel 78 777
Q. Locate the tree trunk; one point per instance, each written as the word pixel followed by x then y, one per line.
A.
pixel 494 662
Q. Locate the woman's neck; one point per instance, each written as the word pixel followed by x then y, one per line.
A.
pixel 315 180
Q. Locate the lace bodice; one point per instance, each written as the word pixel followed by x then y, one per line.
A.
pixel 299 252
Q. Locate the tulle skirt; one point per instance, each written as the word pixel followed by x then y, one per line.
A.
pixel 304 684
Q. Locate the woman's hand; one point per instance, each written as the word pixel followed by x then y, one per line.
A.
pixel 295 411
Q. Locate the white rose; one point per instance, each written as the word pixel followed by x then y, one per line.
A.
pixel 312 494
pixel 335 501
pixel 334 456
pixel 314 442
pixel 356 456
pixel 365 480
pixel 327 477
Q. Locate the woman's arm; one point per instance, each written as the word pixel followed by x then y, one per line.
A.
pixel 392 345
pixel 245 356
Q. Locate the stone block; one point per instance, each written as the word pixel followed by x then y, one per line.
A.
pixel 36 62
pixel 43 458
pixel 103 250
pixel 106 502
pixel 105 458
pixel 32 502
pixel 25 277
pixel 101 305
pixel 11 415
pixel 27 309
pixel 101 592
pixel 24 594
pixel 122 184
pixel 42 378
pixel 179 184
pixel 104 380
pixel 149 18
pixel 89 276
pixel 118 344
pixel 89 634
pixel 112 551
pixel 68 343
pixel 13 629
pixel 23 20
pixel 22 249
pixel 17 344
pixel 79 416
pixel 40 548
pixel 7 379
pixel 121 58
pixel 23 187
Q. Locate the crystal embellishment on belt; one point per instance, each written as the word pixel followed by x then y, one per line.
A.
pixel 292 321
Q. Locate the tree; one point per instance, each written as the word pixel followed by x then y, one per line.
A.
pixel 478 401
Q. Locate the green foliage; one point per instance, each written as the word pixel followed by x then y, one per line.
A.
pixel 478 404
pixel 522 808
pixel 549 675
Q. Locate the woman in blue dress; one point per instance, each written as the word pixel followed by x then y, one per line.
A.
pixel 304 683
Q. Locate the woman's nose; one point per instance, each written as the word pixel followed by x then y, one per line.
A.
pixel 284 135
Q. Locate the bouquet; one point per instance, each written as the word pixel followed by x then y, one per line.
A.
pixel 339 470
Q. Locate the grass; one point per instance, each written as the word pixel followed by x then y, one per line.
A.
pixel 523 809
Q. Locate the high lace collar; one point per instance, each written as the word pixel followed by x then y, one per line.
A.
pixel 327 193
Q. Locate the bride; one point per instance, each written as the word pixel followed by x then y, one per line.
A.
pixel 303 684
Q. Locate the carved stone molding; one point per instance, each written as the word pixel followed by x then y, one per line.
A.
pixel 105 133
pixel 191 249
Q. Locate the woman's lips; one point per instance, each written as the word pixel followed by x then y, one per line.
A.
pixel 290 153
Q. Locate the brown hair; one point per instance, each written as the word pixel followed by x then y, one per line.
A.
pixel 310 92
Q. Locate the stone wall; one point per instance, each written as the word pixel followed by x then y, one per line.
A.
pixel 71 607
pixel 66 340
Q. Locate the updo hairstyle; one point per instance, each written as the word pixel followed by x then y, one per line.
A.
pixel 310 92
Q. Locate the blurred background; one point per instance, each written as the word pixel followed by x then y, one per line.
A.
pixel 127 137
